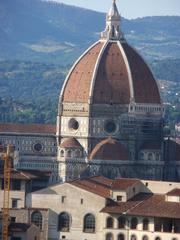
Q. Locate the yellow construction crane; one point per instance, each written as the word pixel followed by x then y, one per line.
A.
pixel 6 156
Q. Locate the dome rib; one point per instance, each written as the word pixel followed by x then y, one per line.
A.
pixel 112 80
pixel 77 84
pixel 96 71
pixel 144 84
pixel 128 71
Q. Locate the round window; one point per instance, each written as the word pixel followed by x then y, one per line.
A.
pixel 73 124
pixel 110 126
pixel 38 147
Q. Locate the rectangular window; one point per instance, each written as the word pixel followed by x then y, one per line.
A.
pixel 16 185
pixel 2 184
pixel 13 219
pixel 82 201
pixel 63 199
pixel 119 198
pixel 14 203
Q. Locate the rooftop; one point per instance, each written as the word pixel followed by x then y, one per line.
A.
pixel 70 143
pixel 27 128
pixel 149 205
pixel 27 174
pixel 103 186
pixel 174 192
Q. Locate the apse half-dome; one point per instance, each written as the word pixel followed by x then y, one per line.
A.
pixel 109 149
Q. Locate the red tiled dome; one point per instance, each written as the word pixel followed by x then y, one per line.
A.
pixel 109 149
pixel 110 72
pixel 70 143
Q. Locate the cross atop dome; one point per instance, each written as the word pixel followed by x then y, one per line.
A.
pixel 113 19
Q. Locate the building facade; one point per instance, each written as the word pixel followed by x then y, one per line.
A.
pixel 122 209
pixel 24 223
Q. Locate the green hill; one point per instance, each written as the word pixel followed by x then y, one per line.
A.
pixel 34 30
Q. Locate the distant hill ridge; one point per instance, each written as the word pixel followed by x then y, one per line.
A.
pixel 57 33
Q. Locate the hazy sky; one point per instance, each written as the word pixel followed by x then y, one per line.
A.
pixel 131 8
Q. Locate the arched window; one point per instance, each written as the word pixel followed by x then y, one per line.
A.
pixel 121 236
pixel 145 238
pixel 113 31
pixel 141 156
pixel 157 238
pixel 36 219
pixel 157 156
pixel 145 224
pixel 134 223
pixel 77 153
pixel 150 156
pixel 64 222
pixel 133 237
pixel 89 223
pixel 69 153
pixel 109 236
pixel 62 153
pixel 121 222
pixel 109 222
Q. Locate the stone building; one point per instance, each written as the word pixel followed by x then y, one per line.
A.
pixel 27 224
pixel 34 144
pixel 98 208
pixel 24 223
pixel 110 119
pixel 23 182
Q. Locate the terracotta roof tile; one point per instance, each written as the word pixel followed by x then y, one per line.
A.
pixel 27 128
pixel 92 186
pixel 124 207
pixel 109 149
pixel 124 183
pixel 78 85
pixel 156 206
pixel 148 205
pixel 174 192
pixel 112 81
pixel 145 86
pixel 102 186
pixel 70 142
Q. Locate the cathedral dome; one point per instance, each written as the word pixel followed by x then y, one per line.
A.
pixel 111 72
pixel 109 149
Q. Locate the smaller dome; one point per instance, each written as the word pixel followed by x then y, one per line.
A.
pixel 70 143
pixel 109 149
